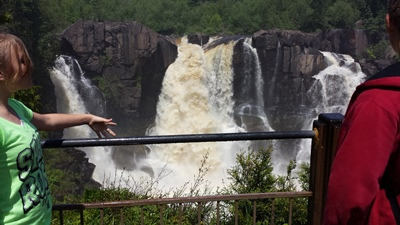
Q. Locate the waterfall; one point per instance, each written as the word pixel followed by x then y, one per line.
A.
pixel 75 94
pixel 337 82
pixel 197 98
pixel 332 91
pixel 250 100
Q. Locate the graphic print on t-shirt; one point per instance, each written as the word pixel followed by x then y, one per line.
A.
pixel 34 188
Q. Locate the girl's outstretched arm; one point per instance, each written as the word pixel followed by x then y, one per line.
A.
pixel 58 121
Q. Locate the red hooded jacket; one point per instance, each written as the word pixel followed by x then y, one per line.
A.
pixel 366 170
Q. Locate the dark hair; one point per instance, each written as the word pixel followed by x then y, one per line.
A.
pixel 394 12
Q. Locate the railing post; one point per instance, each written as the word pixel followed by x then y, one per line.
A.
pixel 323 149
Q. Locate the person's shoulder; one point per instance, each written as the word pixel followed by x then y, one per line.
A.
pixel 390 71
pixel 379 97
pixel 21 107
pixel 15 102
pixel 386 79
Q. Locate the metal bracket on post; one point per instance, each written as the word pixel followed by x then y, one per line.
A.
pixel 323 148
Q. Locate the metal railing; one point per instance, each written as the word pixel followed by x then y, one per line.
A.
pixel 324 135
pixel 199 200
pixel 168 139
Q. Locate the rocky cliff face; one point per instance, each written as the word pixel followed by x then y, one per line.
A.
pixel 128 62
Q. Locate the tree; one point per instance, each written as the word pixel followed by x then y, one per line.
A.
pixel 318 17
pixel 341 14
pixel 289 183
pixel 254 174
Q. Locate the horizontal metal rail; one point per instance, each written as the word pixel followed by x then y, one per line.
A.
pixel 168 139
pixel 160 201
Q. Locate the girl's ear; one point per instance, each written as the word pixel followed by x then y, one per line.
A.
pixel 389 25
pixel 2 76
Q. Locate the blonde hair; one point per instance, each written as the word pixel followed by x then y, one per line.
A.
pixel 9 61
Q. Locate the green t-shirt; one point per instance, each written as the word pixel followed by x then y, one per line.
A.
pixel 24 191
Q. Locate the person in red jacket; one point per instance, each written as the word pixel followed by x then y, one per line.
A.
pixel 364 184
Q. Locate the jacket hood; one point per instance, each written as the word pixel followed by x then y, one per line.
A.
pixel 388 78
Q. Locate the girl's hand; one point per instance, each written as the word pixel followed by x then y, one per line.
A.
pixel 100 126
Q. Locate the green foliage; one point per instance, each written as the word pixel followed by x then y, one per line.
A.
pixel 29 97
pixel 106 60
pixel 220 16
pixel 304 176
pixel 244 17
pixel 288 184
pixel 6 17
pixel 341 14
pixel 299 13
pixel 373 18
pixel 65 183
pixel 110 85
pixel 377 51
pixel 253 174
